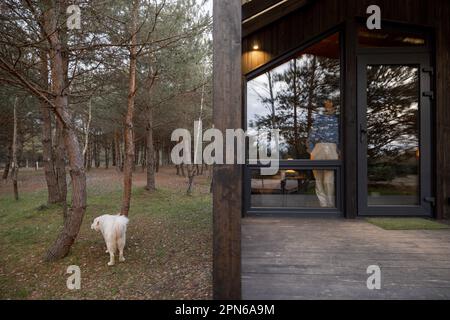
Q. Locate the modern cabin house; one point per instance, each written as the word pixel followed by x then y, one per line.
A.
pixel 363 113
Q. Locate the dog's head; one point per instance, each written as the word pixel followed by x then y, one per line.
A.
pixel 96 224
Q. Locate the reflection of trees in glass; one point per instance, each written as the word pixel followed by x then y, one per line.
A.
pixel 392 111
pixel 292 95
pixel 392 123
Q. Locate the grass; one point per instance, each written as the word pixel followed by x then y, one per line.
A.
pixel 407 224
pixel 168 248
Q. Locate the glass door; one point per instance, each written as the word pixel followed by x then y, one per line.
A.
pixel 394 138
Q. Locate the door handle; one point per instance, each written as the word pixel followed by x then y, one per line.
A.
pixel 362 133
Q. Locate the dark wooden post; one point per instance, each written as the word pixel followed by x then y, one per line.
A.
pixel 227 179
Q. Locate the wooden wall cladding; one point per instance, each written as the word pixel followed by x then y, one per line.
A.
pixel 442 60
pixel 318 16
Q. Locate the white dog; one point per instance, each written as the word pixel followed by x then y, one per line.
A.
pixel 113 229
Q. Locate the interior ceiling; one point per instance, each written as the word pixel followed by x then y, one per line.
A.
pixel 328 47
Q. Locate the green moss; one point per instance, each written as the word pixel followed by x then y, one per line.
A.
pixel 407 224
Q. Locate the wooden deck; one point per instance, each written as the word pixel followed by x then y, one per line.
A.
pixel 327 258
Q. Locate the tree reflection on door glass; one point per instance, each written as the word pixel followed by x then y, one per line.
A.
pixel 393 154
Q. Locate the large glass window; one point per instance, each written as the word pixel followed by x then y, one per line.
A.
pixel 292 188
pixel 301 98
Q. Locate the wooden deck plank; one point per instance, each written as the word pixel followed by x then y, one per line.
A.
pixel 327 258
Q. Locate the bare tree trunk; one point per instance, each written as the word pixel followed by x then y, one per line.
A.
pixel 191 169
pixel 60 165
pixel 129 130
pixel 88 164
pixel 136 156
pixel 106 155
pixel 54 195
pixel 157 160
pixel 151 184
pixel 144 156
pixel 113 152
pixel 86 134
pixel 137 153
pixel 118 152
pixel 15 165
pixel 72 223
pixel 8 163
pixel 96 151
pixel 122 152
pixel 150 147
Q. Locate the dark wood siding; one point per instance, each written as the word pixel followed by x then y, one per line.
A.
pixel 441 16
pixel 319 16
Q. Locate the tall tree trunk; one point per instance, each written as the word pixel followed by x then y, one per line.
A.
pixel 191 171
pixel 113 151
pixel 60 164
pixel 136 156
pixel 118 151
pixel 129 130
pixel 150 143
pixel 53 191
pixel 106 154
pixel 96 151
pixel 144 156
pixel 150 153
pixel 157 155
pixel 88 165
pixel 72 223
pixel 137 152
pixel 122 153
pixel 8 162
pixel 15 165
pixel 87 134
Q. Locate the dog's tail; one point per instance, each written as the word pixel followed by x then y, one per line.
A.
pixel 122 219
pixel 121 225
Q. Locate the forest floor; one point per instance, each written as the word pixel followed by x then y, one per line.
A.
pixel 169 240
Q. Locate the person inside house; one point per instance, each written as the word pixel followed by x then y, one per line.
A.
pixel 322 145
